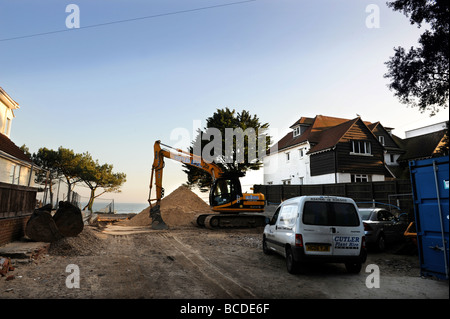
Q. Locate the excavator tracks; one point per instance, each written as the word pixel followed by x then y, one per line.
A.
pixel 242 220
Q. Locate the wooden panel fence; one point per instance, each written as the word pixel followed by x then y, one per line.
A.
pixel 395 192
pixel 16 200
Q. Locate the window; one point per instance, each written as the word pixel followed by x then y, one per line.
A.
pixel 381 139
pixel 297 131
pixel 330 214
pixel 288 156
pixel 288 214
pixel 14 174
pixel 225 191
pixel 301 180
pixel 7 126
pixel 275 216
pixel 361 147
pixel 385 216
pixel 360 178
pixel 392 158
pixel 286 182
pixel 301 152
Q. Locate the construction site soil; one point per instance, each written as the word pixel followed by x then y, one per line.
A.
pixel 130 260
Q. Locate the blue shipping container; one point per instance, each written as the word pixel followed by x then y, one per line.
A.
pixel 430 184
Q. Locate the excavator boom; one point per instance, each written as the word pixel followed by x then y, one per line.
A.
pixel 225 197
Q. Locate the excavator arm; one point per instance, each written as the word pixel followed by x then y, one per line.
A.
pixel 177 155
pixel 225 196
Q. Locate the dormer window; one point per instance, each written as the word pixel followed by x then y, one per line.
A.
pixel 297 131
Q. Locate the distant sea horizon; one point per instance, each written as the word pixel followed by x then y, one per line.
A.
pixel 119 208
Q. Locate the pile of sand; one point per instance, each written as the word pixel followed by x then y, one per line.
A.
pixel 179 208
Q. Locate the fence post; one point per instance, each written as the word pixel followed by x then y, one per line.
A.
pixel 372 193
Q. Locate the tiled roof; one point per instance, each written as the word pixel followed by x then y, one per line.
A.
pixel 421 146
pixel 7 146
pixel 323 132
pixel 303 120
pixel 331 136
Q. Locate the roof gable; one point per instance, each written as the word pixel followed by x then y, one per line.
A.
pixel 328 138
pixel 7 146
pixel 323 133
pixel 7 100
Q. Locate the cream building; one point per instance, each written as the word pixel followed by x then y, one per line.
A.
pixel 15 166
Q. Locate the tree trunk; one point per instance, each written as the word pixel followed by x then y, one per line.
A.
pixel 69 189
pixel 41 226
pixel 91 199
pixel 68 219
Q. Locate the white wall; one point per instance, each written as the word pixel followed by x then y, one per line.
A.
pixel 426 129
pixel 277 169
pixel 5 114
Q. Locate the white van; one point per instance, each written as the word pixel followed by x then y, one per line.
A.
pixel 317 228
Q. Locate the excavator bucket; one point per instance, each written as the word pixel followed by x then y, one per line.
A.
pixel 157 221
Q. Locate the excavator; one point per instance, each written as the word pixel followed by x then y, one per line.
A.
pixel 232 207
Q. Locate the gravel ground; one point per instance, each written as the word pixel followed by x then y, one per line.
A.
pixel 190 263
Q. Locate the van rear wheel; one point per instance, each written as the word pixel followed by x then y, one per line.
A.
pixel 353 268
pixel 291 264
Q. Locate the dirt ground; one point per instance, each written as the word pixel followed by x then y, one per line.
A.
pixel 132 262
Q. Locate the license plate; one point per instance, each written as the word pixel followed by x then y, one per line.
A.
pixel 315 247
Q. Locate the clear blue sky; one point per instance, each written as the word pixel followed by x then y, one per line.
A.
pixel 113 90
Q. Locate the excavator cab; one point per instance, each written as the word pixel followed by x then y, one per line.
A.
pixel 236 209
pixel 224 192
pixel 226 196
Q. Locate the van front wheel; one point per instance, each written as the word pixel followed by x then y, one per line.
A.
pixel 266 249
pixel 291 265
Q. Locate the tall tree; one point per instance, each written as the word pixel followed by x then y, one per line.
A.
pixel 46 159
pixel 97 176
pixel 68 164
pixel 236 141
pixel 420 76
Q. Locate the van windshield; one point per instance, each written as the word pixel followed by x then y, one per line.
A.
pixel 330 214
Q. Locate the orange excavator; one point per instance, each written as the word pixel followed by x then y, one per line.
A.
pixel 232 207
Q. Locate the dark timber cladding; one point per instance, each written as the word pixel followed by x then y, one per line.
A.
pixel 323 163
pixel 342 160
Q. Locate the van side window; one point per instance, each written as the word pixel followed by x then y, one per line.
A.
pixel 288 214
pixel 275 216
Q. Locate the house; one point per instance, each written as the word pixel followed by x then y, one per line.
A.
pixel 421 143
pixel 324 150
pixel 17 175
pixel 15 165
